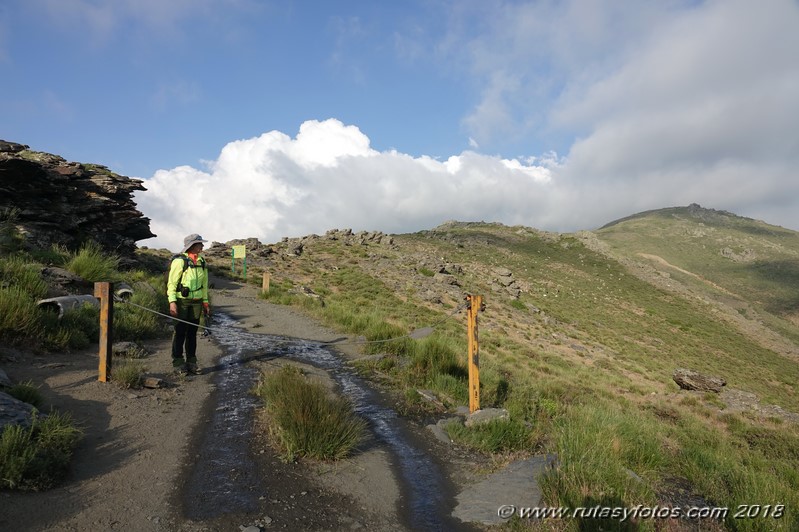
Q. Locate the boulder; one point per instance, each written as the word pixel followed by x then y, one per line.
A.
pixel 691 380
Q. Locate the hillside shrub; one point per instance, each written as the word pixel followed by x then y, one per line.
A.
pixel 37 458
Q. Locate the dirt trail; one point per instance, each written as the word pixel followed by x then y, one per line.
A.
pixel 664 262
pixel 129 472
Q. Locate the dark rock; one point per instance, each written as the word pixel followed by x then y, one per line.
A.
pixel 12 147
pixel 14 412
pixel 63 282
pixel 691 380
pixel 67 203
pixel 5 382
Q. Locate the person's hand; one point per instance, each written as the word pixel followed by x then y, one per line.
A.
pixel 173 309
pixel 206 309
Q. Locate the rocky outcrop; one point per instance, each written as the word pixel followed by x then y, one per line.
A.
pixel 288 248
pixel 504 282
pixel 59 202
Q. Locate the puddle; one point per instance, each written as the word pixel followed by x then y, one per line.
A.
pixel 225 480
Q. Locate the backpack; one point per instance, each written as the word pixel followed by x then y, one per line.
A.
pixel 186 262
pixel 186 265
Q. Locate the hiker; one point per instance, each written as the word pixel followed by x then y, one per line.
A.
pixel 187 292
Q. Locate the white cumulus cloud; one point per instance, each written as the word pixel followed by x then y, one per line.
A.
pixel 329 177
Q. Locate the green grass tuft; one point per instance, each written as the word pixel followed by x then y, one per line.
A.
pixel 133 323
pixel 93 265
pixel 19 315
pixel 306 420
pixel 493 437
pixel 128 374
pixel 27 393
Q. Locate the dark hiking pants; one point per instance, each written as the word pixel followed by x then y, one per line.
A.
pixel 185 335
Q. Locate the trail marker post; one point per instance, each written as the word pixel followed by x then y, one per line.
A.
pixel 239 252
pixel 474 304
pixel 265 285
pixel 105 293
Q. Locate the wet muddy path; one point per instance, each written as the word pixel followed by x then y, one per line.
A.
pixel 225 478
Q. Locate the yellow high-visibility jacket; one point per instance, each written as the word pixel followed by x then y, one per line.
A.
pixel 194 277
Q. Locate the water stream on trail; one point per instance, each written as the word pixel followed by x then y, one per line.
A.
pixel 225 480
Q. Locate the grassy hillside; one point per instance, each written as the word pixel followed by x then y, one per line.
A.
pixel 584 355
pixel 749 261
pixel 579 340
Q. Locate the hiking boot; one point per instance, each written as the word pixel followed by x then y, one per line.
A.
pixel 193 369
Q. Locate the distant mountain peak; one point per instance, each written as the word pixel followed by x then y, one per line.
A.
pixel 694 211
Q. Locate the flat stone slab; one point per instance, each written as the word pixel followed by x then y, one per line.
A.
pixel 516 485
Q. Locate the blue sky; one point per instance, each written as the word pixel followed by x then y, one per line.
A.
pixel 278 118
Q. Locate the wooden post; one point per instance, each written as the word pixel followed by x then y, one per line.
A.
pixel 265 287
pixel 475 305
pixel 105 293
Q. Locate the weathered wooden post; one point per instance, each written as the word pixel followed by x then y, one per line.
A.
pixel 265 286
pixel 105 293
pixel 474 305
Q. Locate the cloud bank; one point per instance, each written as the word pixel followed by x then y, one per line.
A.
pixel 329 177
pixel 653 105
pixel 661 103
